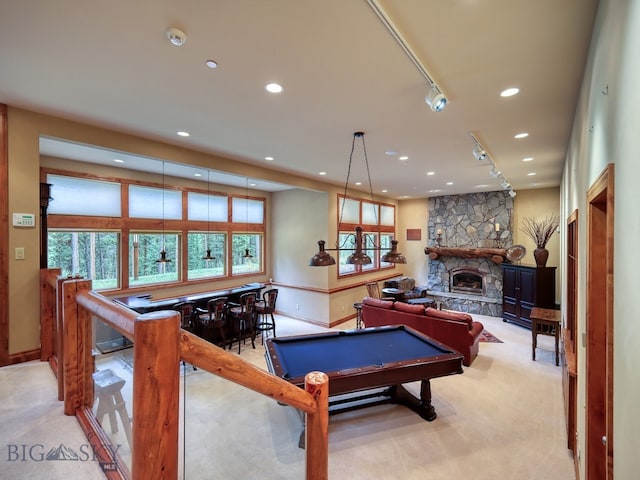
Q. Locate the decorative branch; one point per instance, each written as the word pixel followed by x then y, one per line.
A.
pixel 540 231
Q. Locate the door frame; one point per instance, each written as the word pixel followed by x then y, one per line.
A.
pixel 599 328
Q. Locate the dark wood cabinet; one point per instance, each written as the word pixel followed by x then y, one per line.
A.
pixel 525 287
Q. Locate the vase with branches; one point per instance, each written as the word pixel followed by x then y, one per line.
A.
pixel 540 231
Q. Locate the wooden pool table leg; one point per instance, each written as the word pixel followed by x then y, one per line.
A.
pixel 421 406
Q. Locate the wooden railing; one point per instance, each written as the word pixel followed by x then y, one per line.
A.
pixel 160 345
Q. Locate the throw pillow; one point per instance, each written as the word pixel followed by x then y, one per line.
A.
pixel 375 302
pixel 408 308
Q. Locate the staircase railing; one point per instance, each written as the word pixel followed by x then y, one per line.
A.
pixel 67 308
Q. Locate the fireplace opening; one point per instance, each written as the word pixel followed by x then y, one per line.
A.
pixel 467 280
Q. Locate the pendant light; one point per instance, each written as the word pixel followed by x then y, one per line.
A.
pixel 163 253
pixel 208 256
pixel 359 255
pixel 247 253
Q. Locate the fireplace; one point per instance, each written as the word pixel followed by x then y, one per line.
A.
pixel 467 280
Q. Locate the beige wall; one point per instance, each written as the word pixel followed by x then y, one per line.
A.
pixel 605 131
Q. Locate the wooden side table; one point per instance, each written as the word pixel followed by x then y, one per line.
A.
pixel 545 321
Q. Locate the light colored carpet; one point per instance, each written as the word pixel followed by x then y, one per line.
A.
pixel 502 418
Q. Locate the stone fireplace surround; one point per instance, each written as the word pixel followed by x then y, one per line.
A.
pixel 468 221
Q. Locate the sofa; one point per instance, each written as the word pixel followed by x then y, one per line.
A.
pixel 457 330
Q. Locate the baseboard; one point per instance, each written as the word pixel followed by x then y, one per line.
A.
pixel 22 357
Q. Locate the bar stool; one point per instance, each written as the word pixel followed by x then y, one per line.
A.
pixel 265 307
pixel 108 387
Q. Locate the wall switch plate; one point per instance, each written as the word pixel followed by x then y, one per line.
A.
pixel 20 253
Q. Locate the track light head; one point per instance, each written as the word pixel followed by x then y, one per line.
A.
pixel 435 99
pixel 505 184
pixel 512 193
pixel 479 153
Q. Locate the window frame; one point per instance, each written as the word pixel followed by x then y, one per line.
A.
pixel 347 229
pixel 126 226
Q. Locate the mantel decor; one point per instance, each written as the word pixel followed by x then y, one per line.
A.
pixel 540 231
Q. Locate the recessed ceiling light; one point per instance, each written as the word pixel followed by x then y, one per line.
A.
pixel 358 183
pixel 118 160
pixel 431 173
pixel 390 153
pixel 527 159
pixel 484 185
pixel 197 174
pixel 384 190
pixel 211 64
pixel 269 158
pixel 405 196
pixel 322 173
pixel 403 158
pixel 531 174
pixel 252 184
pixel 509 92
pixel 434 191
pixel 183 134
pixel 449 183
pixel 521 135
pixel 273 87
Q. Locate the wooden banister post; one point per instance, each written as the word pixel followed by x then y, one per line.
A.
pixel 47 314
pixel 156 393
pixel 77 361
pixel 317 427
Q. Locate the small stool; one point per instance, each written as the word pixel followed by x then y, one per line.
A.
pixel 108 388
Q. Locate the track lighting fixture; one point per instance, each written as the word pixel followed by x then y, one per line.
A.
pixel 494 172
pixel 512 193
pixel 479 153
pixel 176 36
pixel 435 99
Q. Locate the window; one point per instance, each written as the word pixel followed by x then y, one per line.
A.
pixel 378 226
pixel 243 244
pixel 144 251
pixel 92 255
pixel 92 234
pixel 199 243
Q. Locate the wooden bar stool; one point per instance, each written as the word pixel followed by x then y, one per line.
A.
pixel 108 387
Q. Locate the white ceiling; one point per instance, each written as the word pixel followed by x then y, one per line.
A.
pixel 110 64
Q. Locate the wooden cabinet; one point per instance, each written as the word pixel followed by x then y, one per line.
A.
pixel 525 287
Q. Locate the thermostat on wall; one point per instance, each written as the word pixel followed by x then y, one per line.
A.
pixel 24 220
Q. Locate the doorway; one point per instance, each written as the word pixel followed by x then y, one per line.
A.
pixel 599 328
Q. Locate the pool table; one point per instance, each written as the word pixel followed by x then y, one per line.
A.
pixel 366 359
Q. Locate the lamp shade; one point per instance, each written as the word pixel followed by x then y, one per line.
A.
pixel 322 258
pixel 393 256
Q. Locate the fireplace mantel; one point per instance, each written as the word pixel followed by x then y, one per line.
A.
pixel 497 255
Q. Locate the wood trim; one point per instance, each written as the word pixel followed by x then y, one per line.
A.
pixel 599 327
pixel 101 444
pixel 26 356
pixel 4 237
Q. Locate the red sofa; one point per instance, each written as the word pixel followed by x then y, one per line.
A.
pixel 455 329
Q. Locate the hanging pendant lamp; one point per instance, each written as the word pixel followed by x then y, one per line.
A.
pixel 359 256
pixel 163 253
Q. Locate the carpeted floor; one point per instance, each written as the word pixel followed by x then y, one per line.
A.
pixel 502 418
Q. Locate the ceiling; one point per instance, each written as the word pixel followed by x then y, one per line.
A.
pixel 110 64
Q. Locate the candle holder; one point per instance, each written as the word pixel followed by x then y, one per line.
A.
pixel 439 239
pixel 498 242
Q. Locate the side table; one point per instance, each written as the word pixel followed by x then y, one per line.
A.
pixel 545 321
pixel 358 307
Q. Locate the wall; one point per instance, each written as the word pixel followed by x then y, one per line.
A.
pixel 414 214
pixel 605 131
